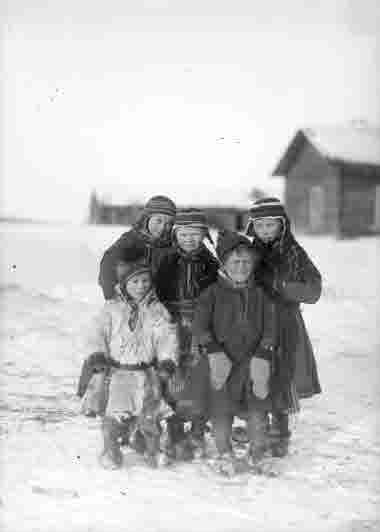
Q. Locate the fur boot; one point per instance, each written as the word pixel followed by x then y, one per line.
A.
pixel 111 457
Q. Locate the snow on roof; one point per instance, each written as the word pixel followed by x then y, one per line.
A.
pixel 353 143
pixel 358 144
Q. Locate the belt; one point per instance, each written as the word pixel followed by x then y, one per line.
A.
pixel 141 366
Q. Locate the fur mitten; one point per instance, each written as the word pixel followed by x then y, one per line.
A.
pixel 220 367
pixel 95 363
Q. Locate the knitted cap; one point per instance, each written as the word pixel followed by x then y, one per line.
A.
pixel 267 208
pixel 160 204
pixel 228 241
pixel 190 218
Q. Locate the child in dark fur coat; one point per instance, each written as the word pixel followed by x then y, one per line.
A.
pixel 149 236
pixel 290 278
pixel 234 326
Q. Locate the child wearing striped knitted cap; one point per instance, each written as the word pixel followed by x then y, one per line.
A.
pixel 289 276
pixel 150 235
pixel 182 276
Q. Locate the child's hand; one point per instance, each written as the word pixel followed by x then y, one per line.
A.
pixel 220 367
pixel 276 284
pixel 98 362
pixel 166 369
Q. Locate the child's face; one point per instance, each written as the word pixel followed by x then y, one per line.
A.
pixel 158 223
pixel 267 229
pixel 189 238
pixel 239 265
pixel 139 285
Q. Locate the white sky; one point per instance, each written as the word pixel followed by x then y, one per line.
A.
pixel 131 96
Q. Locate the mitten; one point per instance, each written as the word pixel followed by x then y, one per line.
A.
pixel 95 363
pixel 220 367
pixel 260 372
pixel 98 362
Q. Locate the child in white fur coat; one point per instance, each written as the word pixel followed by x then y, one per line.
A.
pixel 138 339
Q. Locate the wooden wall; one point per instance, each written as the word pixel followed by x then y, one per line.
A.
pixel 312 170
pixel 331 197
pixel 358 203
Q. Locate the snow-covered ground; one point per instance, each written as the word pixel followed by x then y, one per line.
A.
pixel 50 477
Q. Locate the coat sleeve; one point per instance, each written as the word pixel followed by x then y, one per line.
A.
pixel 308 288
pixel 165 336
pixel 162 278
pixel 268 342
pixel 203 335
pixel 107 274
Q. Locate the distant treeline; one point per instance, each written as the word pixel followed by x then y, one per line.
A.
pixel 16 220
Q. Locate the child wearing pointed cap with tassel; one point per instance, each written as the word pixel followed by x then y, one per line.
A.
pixel 290 278
pixel 183 274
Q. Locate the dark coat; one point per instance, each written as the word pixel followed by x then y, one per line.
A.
pixel 136 241
pixel 241 323
pixel 289 276
pixel 181 277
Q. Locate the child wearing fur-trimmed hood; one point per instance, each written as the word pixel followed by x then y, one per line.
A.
pixel 137 339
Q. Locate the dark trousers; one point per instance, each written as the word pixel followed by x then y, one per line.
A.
pixel 256 428
pixel 176 428
pixel 280 425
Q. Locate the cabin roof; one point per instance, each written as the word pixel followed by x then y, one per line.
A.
pixel 350 144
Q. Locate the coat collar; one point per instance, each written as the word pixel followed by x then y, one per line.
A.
pixel 200 254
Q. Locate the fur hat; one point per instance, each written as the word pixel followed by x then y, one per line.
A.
pixel 228 241
pixel 160 204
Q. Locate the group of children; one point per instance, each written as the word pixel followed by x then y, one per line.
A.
pixel 190 338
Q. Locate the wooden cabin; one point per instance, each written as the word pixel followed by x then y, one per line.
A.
pixel 332 180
